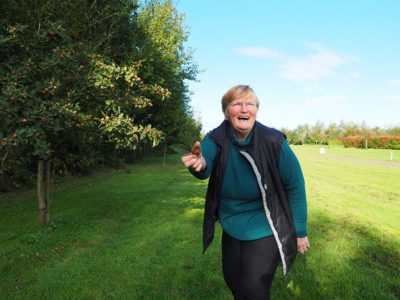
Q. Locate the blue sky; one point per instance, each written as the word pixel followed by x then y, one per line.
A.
pixel 307 60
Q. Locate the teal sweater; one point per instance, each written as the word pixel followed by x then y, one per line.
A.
pixel 241 211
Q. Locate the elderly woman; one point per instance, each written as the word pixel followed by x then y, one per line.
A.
pixel 256 191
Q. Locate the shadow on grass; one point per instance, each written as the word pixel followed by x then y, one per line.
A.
pixel 347 261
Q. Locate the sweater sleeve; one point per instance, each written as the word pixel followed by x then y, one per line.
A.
pixel 209 151
pixel 293 182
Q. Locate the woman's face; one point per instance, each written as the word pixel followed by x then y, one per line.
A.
pixel 242 113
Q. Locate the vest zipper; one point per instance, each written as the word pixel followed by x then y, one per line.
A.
pixel 263 188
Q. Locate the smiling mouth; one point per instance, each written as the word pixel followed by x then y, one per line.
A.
pixel 243 118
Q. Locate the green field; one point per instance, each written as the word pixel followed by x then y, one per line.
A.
pixel 137 235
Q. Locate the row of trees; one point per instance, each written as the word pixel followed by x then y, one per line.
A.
pixel 89 82
pixel 348 134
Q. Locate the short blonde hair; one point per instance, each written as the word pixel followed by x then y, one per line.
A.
pixel 238 92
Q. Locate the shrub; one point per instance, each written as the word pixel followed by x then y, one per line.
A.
pixel 375 142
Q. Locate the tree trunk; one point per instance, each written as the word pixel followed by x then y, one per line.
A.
pixel 43 190
pixel 165 151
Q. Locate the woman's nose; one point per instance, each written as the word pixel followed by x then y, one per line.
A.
pixel 244 107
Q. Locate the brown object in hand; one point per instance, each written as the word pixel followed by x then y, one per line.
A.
pixel 196 149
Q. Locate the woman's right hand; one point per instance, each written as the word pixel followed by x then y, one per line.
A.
pixel 195 160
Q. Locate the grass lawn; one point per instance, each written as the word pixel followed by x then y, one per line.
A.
pixel 137 235
pixel 383 155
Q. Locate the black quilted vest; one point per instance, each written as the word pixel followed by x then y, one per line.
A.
pixel 263 155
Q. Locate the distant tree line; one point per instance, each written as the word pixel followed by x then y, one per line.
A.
pixel 90 82
pixel 347 134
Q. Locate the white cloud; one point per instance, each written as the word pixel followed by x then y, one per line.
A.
pixel 394 98
pixel 323 63
pixel 394 82
pixel 356 75
pixel 260 52
pixel 312 87
pixel 320 64
pixel 329 102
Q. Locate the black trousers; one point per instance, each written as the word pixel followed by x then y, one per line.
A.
pixel 249 266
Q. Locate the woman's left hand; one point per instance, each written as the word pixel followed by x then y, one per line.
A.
pixel 303 244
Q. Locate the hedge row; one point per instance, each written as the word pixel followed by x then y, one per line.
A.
pixel 375 142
